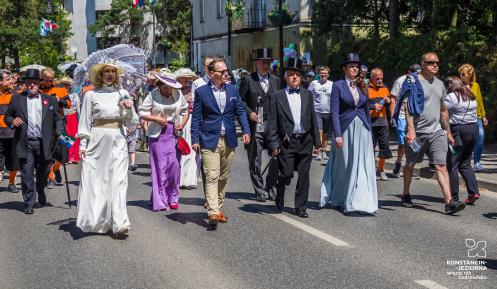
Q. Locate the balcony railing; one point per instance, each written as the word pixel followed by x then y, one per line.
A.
pixel 254 19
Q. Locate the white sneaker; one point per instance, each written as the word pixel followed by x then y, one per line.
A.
pixel 478 168
pixel 381 175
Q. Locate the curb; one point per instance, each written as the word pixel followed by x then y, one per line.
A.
pixel 427 173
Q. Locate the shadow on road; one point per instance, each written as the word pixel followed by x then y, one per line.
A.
pixel 198 218
pixel 192 201
pixel 141 174
pixel 141 203
pixel 491 263
pixel 16 206
pixel 69 226
pixel 492 216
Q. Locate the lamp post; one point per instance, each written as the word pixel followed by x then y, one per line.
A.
pixel 229 14
pixel 48 7
pixel 280 30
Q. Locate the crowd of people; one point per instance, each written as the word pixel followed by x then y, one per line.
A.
pixel 302 117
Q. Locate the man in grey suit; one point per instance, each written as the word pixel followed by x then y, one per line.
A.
pixel 255 91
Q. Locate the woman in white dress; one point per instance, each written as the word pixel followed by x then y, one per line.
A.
pixel 103 151
pixel 188 178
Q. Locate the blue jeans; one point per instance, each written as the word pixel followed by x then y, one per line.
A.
pixel 478 150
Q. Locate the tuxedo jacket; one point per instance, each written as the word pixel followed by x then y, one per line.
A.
pixel 343 108
pixel 207 117
pixel 281 121
pixel 52 124
pixel 251 89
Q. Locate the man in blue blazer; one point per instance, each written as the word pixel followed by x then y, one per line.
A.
pixel 215 108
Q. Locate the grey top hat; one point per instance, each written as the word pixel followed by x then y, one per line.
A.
pixel 351 58
pixel 32 74
pixel 294 64
pixel 264 54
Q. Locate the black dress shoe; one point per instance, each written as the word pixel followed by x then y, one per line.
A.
pixel 58 177
pixel 279 205
pixel 301 213
pixel 260 198
pixel 12 188
pixel 42 199
pixel 28 211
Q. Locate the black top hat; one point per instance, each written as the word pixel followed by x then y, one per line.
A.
pixel 351 58
pixel 32 74
pixel 294 64
pixel 264 53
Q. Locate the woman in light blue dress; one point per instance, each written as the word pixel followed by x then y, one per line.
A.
pixel 349 180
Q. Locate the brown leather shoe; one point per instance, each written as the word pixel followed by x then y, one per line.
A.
pixel 221 218
pixel 213 219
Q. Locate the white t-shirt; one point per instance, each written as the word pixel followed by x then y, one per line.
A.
pixel 396 89
pixel 321 92
pixel 460 112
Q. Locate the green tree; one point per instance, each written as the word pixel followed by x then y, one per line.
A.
pixel 19 33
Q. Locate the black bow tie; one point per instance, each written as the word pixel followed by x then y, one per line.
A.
pixel 293 90
pixel 34 95
pixel 353 83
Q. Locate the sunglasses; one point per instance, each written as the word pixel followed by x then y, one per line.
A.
pixel 222 71
pixel 437 63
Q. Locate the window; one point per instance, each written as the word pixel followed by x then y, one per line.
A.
pixel 220 8
pixel 201 11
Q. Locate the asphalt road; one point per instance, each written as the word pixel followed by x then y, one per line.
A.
pixel 257 248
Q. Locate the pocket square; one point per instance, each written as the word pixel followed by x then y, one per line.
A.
pixel 233 98
pixel 51 107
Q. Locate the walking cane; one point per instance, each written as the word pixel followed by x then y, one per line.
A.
pixel 268 164
pixel 67 185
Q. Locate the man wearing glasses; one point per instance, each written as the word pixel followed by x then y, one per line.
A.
pixel 255 91
pixel 429 132
pixel 215 109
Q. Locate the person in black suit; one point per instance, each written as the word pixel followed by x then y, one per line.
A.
pixel 37 128
pixel 293 134
pixel 255 91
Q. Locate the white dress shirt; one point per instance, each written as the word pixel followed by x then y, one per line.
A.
pixel 354 90
pixel 220 96
pixel 264 81
pixel 295 107
pixel 35 114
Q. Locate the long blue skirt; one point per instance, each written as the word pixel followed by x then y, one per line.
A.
pixel 349 180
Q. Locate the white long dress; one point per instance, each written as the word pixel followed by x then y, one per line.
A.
pixel 104 171
pixel 188 162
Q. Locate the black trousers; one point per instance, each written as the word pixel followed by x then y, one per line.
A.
pixel 381 137
pixel 254 152
pixel 295 155
pixel 8 157
pixel 465 136
pixel 34 165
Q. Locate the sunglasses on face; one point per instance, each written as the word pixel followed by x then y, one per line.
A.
pixel 437 63
pixel 222 71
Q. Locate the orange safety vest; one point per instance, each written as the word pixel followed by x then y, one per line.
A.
pixel 5 98
pixel 60 92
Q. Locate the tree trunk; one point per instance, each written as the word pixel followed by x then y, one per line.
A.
pixel 15 55
pixel 376 20
pixel 453 19
pixel 393 18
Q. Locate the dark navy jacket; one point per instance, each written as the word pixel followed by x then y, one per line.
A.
pixel 343 109
pixel 207 117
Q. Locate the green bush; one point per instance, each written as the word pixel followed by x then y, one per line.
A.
pixel 454 48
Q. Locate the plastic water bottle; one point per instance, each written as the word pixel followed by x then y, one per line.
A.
pixel 452 150
pixel 415 146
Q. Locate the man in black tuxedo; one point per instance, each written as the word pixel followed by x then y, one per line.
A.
pixel 293 134
pixel 38 126
pixel 255 91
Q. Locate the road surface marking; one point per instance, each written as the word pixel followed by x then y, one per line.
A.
pixel 430 284
pixel 266 210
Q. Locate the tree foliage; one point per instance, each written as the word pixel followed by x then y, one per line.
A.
pixel 128 25
pixel 19 33
pixel 463 31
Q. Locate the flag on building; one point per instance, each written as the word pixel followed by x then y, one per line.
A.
pixel 47 26
pixel 43 30
pixel 138 3
pixel 66 141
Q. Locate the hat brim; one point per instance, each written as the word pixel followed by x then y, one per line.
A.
pixel 97 68
pixel 295 69
pixel 348 62
pixel 66 82
pixel 188 76
pixel 175 84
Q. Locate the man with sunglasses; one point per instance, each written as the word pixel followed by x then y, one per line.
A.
pixel 255 91
pixel 215 109
pixel 429 132
pixel 38 125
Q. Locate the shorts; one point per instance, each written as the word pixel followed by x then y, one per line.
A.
pixel 132 146
pixel 324 122
pixel 381 136
pixel 435 145
pixel 401 131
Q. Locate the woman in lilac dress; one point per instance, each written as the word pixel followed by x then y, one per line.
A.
pixel 162 108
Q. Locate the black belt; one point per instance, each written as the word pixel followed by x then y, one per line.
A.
pixel 34 139
pixel 298 135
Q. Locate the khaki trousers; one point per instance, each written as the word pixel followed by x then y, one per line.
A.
pixel 216 168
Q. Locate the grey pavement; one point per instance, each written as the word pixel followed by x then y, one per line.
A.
pixel 257 248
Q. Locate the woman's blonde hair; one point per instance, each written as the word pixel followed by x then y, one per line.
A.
pixel 467 72
pixel 99 83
